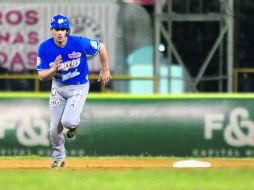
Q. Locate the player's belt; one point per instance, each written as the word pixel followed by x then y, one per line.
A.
pixel 80 82
pixel 75 83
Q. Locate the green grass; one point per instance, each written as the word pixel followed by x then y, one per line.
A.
pixel 128 179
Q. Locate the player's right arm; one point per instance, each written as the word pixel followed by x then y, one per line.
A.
pixel 48 74
pixel 47 66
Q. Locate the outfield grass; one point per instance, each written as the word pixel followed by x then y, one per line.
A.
pixel 128 179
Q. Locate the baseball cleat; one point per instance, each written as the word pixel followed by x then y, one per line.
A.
pixel 72 132
pixel 57 164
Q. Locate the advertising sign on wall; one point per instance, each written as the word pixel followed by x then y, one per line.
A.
pixel 162 127
pixel 24 26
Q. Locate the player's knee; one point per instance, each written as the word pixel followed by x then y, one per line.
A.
pixel 68 123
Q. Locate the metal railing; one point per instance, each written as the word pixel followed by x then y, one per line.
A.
pixel 237 71
pixel 91 77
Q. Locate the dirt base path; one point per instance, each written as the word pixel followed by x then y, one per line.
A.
pixel 117 164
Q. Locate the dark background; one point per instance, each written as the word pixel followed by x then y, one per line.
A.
pixel 194 39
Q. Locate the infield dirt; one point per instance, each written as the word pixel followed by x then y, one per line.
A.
pixel 117 164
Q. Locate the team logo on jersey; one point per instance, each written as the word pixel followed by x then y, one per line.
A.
pixel 70 75
pixel 65 66
pixel 74 55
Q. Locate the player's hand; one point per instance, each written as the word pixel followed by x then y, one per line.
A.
pixel 104 76
pixel 57 63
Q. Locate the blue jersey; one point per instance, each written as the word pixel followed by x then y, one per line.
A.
pixel 74 66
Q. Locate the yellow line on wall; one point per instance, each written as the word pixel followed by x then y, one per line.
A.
pixel 134 96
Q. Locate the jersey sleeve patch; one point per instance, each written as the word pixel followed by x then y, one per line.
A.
pixel 94 44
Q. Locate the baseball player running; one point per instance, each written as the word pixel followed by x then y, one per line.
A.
pixel 63 58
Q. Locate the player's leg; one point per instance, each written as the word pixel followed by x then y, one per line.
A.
pixel 56 105
pixel 75 103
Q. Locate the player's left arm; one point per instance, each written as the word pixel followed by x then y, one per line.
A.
pixel 104 75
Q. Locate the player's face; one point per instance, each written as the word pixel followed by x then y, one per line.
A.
pixel 59 35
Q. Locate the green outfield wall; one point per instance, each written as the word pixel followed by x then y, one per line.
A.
pixel 187 125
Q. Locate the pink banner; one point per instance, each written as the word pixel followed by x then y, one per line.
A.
pixel 24 26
